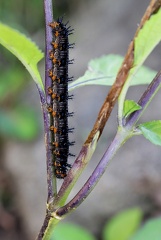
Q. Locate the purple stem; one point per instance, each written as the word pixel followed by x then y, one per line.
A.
pixel 48 65
pixel 45 101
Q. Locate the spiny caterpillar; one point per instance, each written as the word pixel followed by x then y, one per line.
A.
pixel 58 92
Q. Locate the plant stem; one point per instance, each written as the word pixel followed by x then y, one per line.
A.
pixel 51 181
pixel 45 230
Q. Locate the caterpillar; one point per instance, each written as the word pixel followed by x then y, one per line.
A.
pixel 58 92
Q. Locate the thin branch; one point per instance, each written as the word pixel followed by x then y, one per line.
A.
pixel 46 102
pixel 48 65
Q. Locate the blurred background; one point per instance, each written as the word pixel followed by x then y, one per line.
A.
pixel 134 176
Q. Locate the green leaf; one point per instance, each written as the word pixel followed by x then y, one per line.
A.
pixel 150 231
pixel 103 71
pixel 69 231
pixel 148 37
pixel 123 225
pixel 130 106
pixel 24 49
pixel 152 131
pixel 21 123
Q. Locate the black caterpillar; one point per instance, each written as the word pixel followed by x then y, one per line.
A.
pixel 58 92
